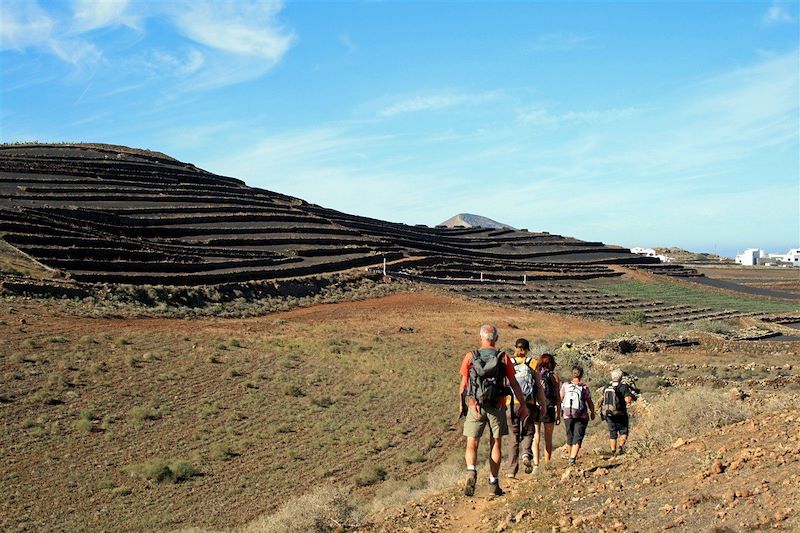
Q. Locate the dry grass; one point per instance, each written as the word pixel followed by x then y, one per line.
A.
pixel 683 413
pixel 326 509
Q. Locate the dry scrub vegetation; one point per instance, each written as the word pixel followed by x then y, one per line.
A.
pixel 164 424
pixel 119 414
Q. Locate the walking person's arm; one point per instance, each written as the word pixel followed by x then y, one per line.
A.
pixel 557 382
pixel 590 403
pixel 462 389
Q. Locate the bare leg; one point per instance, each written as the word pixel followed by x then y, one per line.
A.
pixel 622 440
pixel 613 444
pixel 573 453
pixel 471 454
pixel 537 438
pixel 548 441
pixel 496 456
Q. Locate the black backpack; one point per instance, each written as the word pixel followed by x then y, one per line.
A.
pixel 487 378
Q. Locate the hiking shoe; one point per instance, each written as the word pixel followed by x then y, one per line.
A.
pixel 511 475
pixel 621 450
pixel 571 461
pixel 495 490
pixel 526 462
pixel 535 470
pixel 469 482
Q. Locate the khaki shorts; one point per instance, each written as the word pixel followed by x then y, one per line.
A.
pixel 475 422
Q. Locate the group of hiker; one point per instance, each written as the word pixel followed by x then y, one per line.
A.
pixel 523 396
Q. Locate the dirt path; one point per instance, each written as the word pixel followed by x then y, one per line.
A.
pixel 741 477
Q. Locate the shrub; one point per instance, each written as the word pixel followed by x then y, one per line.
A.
pixel 84 426
pixel 162 471
pixel 369 475
pixel 57 340
pixel 142 413
pixel 713 326
pixel 222 452
pixel 637 318
pixel 324 510
pixel 122 341
pixel 323 402
pixel 235 343
pixel 294 390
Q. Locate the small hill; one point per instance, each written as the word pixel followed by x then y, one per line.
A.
pixel 685 256
pixel 468 220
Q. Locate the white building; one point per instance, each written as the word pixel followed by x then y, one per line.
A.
pixel 792 257
pixel 649 252
pixel 749 257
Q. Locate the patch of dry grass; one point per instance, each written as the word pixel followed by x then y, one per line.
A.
pixel 326 509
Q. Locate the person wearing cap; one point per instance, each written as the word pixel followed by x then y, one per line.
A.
pixel 522 429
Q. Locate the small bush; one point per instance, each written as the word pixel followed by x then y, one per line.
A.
pixel 294 390
pixel 142 413
pixel 637 318
pixel 162 471
pixel 234 373
pixel 84 426
pixel 369 475
pixel 222 452
pixel 235 343
pixel 714 326
pixel 324 402
pixel 131 361
pixel 122 341
pixel 86 414
pixel 57 340
pixel 324 510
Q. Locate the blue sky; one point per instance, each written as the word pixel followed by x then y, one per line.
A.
pixel 638 123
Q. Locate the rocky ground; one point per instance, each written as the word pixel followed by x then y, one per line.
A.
pixel 742 477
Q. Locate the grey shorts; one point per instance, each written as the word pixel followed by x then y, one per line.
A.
pixel 475 421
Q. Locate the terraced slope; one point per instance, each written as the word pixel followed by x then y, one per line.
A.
pixel 102 213
pixel 572 299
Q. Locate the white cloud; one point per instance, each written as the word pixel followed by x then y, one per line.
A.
pixel 538 116
pixel 24 24
pixel 434 102
pixel 777 14
pixel 560 42
pixel 348 43
pixel 241 28
pixel 92 14
pixel 236 41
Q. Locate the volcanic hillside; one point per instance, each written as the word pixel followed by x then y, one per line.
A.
pixel 102 213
